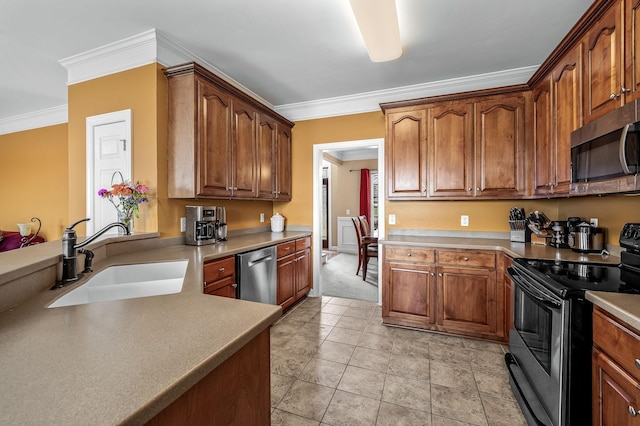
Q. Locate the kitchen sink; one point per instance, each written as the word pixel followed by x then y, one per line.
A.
pixel 128 282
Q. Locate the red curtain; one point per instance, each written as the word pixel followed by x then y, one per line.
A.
pixel 365 194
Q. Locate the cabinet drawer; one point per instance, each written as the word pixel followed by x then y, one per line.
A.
pixel 218 269
pixel 221 287
pixel 467 258
pixel 303 243
pixel 286 248
pixel 619 341
pixel 409 254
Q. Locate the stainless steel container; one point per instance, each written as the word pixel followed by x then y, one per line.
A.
pixel 201 222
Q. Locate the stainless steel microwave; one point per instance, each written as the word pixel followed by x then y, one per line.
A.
pixel 608 147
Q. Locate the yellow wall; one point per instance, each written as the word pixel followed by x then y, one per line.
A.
pixel 33 179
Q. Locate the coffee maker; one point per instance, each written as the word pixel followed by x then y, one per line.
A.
pixel 201 225
pixel 559 234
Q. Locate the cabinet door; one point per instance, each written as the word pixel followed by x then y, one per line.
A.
pixel 566 89
pixel 616 395
pixel 214 126
pixel 409 293
pixel 283 163
pixel 467 300
pixel 544 154
pixel 244 158
pixel 499 147
pixel 267 131
pixel 303 273
pixel 632 49
pixel 286 290
pixel 450 150
pixel 225 287
pixel 406 154
pixel 603 62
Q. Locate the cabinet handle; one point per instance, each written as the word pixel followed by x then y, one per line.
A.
pixel 433 274
pixel 234 285
pixel 637 363
pixel 440 274
pixel 632 411
pixel 409 254
pixel 466 259
pixel 221 269
pixel 614 95
pixel 469 189
pixel 478 189
pixel 624 90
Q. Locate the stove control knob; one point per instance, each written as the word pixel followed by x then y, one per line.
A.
pixel 636 235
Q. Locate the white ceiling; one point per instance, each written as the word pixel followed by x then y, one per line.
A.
pixel 285 51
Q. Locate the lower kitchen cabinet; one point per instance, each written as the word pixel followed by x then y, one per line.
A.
pixel 453 291
pixel 220 277
pixel 616 371
pixel 293 271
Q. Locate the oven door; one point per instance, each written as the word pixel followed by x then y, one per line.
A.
pixel 538 362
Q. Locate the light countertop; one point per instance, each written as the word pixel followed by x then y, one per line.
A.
pixel 120 362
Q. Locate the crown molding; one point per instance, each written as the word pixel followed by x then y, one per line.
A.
pixel 370 101
pixel 34 120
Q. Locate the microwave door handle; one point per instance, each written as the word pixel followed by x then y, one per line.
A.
pixel 622 153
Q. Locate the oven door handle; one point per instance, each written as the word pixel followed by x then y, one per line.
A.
pixel 532 292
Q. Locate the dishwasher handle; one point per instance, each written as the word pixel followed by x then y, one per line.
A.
pixel 260 260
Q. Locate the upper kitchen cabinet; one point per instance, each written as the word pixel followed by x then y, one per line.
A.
pixel 451 150
pixel 543 150
pixel 604 86
pixel 223 143
pixel 500 146
pixel 631 50
pixel 406 154
pixel 566 107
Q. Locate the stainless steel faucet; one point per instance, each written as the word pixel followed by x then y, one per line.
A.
pixel 69 247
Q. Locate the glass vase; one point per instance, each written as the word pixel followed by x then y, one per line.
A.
pixel 127 220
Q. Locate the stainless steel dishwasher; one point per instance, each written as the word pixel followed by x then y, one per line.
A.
pixel 257 275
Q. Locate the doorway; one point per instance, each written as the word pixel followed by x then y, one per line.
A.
pixel 109 150
pixel 318 151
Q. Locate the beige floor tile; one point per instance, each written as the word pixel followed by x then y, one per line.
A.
pixel 452 375
pixel 481 345
pixel 301 315
pixel 410 393
pixel 340 301
pixel 307 400
pixel 444 421
pixel 352 323
pixel 278 340
pixel 325 299
pixel 502 412
pixel 326 318
pixel 417 348
pixel 444 339
pixel 409 366
pixel 288 364
pixel 280 385
pixel 363 382
pixel 397 415
pixel 376 327
pixel 457 404
pixel 323 372
pixel 492 382
pixel 334 351
pixel 330 308
pixel 349 409
pixel 364 304
pixel 413 335
pixel 492 360
pixel 355 312
pixel 282 418
pixel 344 335
pixel 370 359
pixel 302 345
pixel 448 353
pixel 315 330
pixel 376 341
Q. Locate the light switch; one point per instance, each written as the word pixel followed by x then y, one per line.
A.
pixel 464 220
pixel 392 219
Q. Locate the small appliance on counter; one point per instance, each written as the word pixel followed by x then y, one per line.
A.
pixel 519 231
pixel 559 234
pixel 277 223
pixel 221 224
pixel 201 229
pixel 584 238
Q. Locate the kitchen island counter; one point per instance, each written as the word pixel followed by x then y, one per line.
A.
pixel 122 362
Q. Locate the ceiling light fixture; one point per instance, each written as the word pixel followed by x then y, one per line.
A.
pixel 378 23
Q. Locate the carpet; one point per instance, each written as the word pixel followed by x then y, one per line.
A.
pixel 338 278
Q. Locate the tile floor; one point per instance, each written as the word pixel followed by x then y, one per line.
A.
pixel 334 363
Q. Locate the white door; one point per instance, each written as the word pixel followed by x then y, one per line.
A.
pixel 108 151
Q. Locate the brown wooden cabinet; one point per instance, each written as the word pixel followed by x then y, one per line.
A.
pixel 616 371
pixel 293 271
pixel 631 50
pixel 453 291
pixel 222 143
pixel 406 153
pixel 544 154
pixel 220 277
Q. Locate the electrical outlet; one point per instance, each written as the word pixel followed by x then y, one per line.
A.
pixel 594 222
pixel 464 220
pixel 183 224
pixel 261 217
pixel 348 212
pixel 392 219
